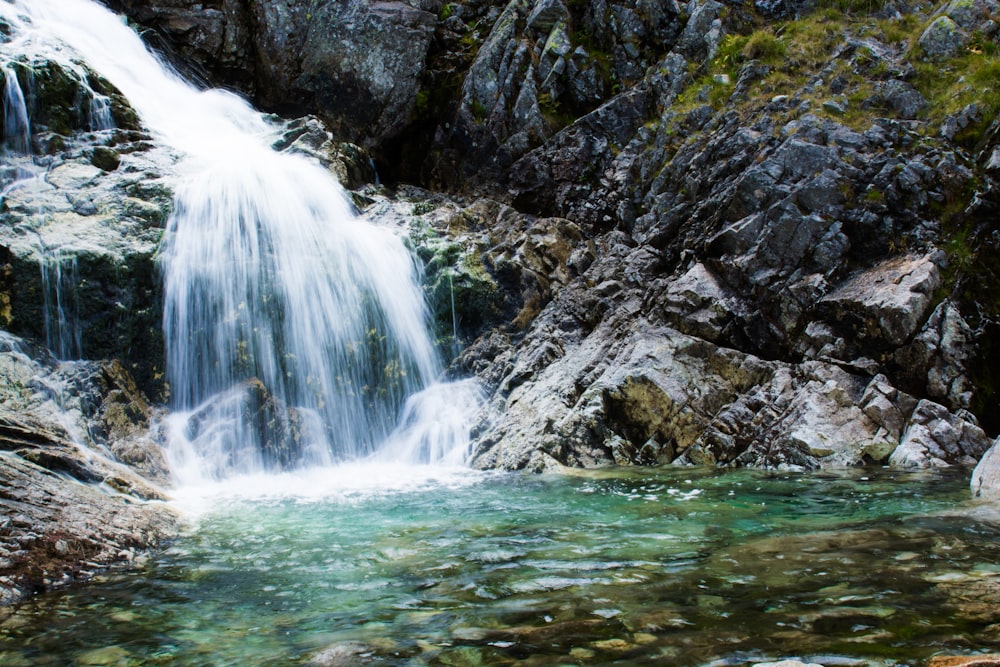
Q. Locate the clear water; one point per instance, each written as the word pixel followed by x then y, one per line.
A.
pixel 678 567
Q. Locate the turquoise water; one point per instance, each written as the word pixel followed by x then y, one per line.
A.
pixel 631 567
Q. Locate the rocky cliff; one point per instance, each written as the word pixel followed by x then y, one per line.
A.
pixel 714 233
pixel 704 233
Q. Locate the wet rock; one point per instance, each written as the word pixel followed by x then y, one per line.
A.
pixel 105 158
pixel 343 654
pixel 351 164
pixel 986 476
pixel 76 474
pixel 982 660
pixel 85 237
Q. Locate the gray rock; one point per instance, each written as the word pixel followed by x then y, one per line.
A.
pixel 971 14
pixel 888 302
pixel 985 482
pixel 903 98
pixel 546 14
pixel 936 437
pixel 942 39
pixel 79 470
pixel 955 123
pixel 696 40
pixel 361 63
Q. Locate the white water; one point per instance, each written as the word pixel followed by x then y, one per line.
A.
pixel 16 128
pixel 60 276
pixel 296 333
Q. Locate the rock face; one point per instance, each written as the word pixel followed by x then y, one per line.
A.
pixel 355 64
pixel 80 473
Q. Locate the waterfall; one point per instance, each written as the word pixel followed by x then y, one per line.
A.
pixel 296 332
pixel 16 128
pixel 60 277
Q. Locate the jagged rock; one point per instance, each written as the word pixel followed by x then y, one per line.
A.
pixel 889 302
pixel 701 34
pixel 936 437
pixel 351 164
pixel 940 357
pixel 903 98
pixel 955 123
pixel 546 14
pixel 971 14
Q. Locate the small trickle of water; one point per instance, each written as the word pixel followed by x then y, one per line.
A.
pixel 16 127
pixel 60 281
pixel 99 116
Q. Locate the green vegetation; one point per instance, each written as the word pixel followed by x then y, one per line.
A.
pixel 969 78
pixel 797 51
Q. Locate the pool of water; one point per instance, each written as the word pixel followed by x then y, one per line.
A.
pixel 632 567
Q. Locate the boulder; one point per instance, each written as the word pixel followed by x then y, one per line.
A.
pixel 936 437
pixel 942 39
pixel 986 476
pixel 888 302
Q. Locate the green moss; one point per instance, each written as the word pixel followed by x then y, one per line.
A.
pixel 478 111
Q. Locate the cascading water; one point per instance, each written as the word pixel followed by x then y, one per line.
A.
pixel 16 127
pixel 296 333
pixel 60 276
